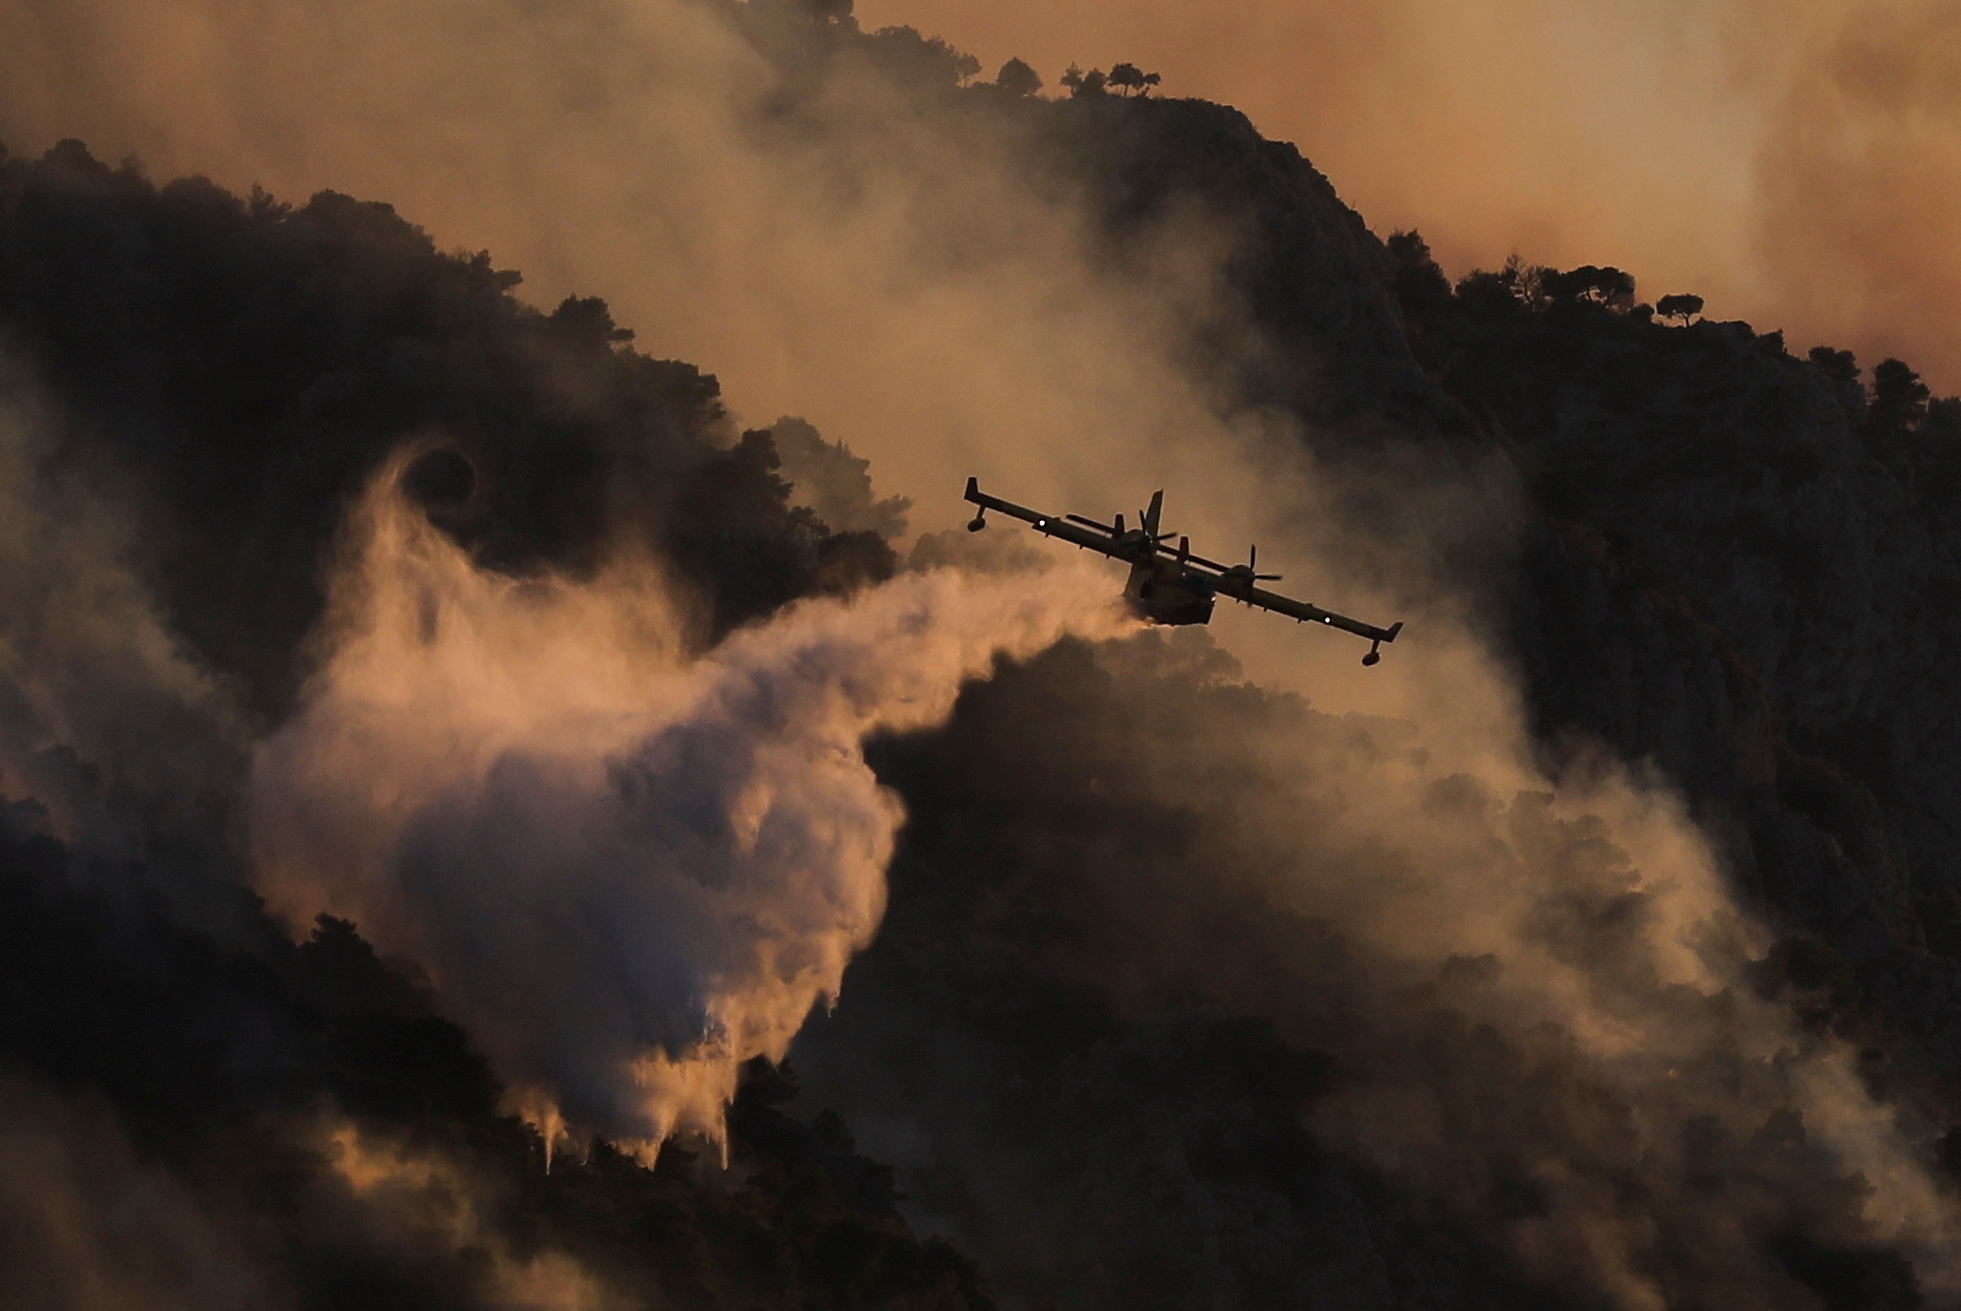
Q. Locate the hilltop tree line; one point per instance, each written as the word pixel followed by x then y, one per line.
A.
pixel 1018 79
pixel 1895 401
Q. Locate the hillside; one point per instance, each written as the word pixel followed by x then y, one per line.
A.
pixel 1101 1054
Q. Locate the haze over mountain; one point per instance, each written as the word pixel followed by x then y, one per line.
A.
pixel 496 816
pixel 1797 161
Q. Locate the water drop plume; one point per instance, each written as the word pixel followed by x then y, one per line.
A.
pixel 625 870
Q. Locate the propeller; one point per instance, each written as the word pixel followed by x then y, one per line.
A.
pixel 1249 572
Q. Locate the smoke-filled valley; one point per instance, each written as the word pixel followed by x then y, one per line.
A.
pixel 498 818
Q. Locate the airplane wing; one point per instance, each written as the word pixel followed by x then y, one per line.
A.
pixel 1240 584
pixel 1237 582
pixel 1306 612
pixel 1088 534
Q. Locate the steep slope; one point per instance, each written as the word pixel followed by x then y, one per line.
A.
pixel 1099 1046
pixel 1737 564
pixel 196 387
pixel 1741 566
pixel 240 367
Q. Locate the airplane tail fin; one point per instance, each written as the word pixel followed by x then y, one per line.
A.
pixel 1152 515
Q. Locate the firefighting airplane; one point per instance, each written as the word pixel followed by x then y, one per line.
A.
pixel 1175 587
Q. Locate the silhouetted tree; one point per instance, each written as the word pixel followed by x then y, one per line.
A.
pixel 1838 365
pixel 1899 397
pixel 925 60
pixel 1018 79
pixel 1080 83
pixel 587 319
pixel 1503 292
pixel 1129 79
pixel 1612 288
pixel 1608 287
pixel 1420 282
pixel 1683 307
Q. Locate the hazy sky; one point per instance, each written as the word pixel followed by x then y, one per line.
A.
pixel 1796 162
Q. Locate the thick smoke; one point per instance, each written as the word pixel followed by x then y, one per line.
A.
pixel 86 1225
pixel 831 243
pixel 626 873
pixel 1535 1000
pixel 103 716
pixel 835 484
pixel 414 1198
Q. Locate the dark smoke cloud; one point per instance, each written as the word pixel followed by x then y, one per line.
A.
pixel 100 696
pixel 1189 970
pixel 87 1226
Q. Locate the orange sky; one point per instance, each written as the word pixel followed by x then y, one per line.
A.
pixel 1798 162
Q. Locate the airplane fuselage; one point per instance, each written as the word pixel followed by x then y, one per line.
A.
pixel 1160 591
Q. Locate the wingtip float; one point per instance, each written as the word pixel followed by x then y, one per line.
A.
pixel 1170 585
